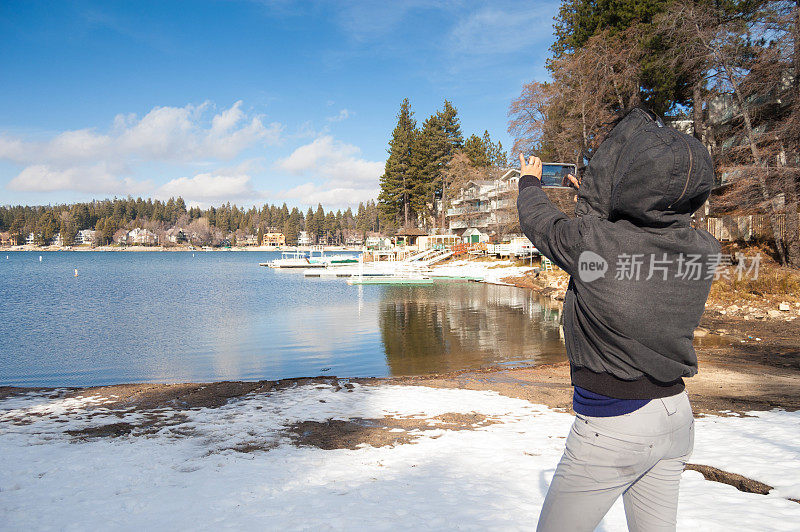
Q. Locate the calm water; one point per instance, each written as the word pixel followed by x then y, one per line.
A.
pixel 172 317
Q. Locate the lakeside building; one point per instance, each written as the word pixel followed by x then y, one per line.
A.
pixel 57 240
pixel 30 240
pixel 354 240
pixel 141 236
pixel 303 239
pixel 486 209
pixel 85 237
pixel 8 239
pixel 177 236
pixel 273 239
pixel 248 240
pixel 376 241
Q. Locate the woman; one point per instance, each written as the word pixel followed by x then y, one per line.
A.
pixel 640 277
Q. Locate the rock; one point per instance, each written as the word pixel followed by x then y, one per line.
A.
pixel 772 313
pixel 733 308
pixel 700 332
pixel 784 307
pixel 759 314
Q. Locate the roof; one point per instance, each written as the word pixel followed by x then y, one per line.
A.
pixel 413 231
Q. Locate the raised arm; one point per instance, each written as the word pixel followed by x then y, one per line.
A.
pixel 554 234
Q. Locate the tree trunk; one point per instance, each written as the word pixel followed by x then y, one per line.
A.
pixel 792 217
pixel 763 168
pixel 791 171
pixel 759 163
pixel 797 51
pixel 697 111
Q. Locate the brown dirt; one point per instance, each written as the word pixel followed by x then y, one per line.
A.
pixel 177 396
pixel 378 432
pixel 748 485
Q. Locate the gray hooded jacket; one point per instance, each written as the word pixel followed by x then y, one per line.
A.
pixel 640 274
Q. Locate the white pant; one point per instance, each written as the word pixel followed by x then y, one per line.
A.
pixel 639 455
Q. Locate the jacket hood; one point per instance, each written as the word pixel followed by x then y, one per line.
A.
pixel 646 173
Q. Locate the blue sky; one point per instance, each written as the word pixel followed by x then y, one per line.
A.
pixel 244 101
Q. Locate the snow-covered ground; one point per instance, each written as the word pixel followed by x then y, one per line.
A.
pixel 189 475
pixel 490 271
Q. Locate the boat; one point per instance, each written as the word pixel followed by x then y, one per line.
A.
pixel 334 260
pixel 330 260
pixel 292 259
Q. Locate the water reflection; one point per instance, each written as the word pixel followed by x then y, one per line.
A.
pixel 171 317
pixel 449 327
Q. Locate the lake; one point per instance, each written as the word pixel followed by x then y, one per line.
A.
pixel 210 316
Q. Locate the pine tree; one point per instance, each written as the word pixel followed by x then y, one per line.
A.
pixel 430 155
pixel 448 117
pixel 397 181
pixel 475 149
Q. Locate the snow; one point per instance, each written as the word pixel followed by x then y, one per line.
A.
pixel 764 446
pixel 490 271
pixel 493 477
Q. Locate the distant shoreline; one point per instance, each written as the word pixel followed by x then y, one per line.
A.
pixel 175 248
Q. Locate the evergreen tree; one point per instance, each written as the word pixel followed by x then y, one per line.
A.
pixel 476 150
pixel 430 155
pixel 397 181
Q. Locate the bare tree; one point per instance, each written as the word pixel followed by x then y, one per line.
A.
pixel 741 68
pixel 527 115
pixel 569 116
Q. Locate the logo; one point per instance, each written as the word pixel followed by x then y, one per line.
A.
pixel 591 266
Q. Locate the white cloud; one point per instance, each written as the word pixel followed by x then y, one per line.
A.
pixel 333 160
pixel 344 114
pixel 342 177
pixel 86 160
pixel 210 188
pixel 98 178
pixel 497 31
pixel 332 197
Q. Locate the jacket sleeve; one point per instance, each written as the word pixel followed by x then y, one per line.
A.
pixel 554 234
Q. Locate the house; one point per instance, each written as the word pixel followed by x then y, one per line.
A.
pixel 375 242
pixel 489 205
pixel 141 236
pixel 273 239
pixel 303 239
pixel 30 239
pixel 474 236
pixel 57 240
pixel 177 235
pixel 8 239
pixel 248 240
pixel 485 204
pixel 85 237
pixel 407 237
pixel 437 241
pixel 354 240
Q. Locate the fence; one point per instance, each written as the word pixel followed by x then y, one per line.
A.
pixel 747 227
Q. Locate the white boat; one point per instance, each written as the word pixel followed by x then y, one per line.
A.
pixel 334 260
pixel 329 260
pixel 292 259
